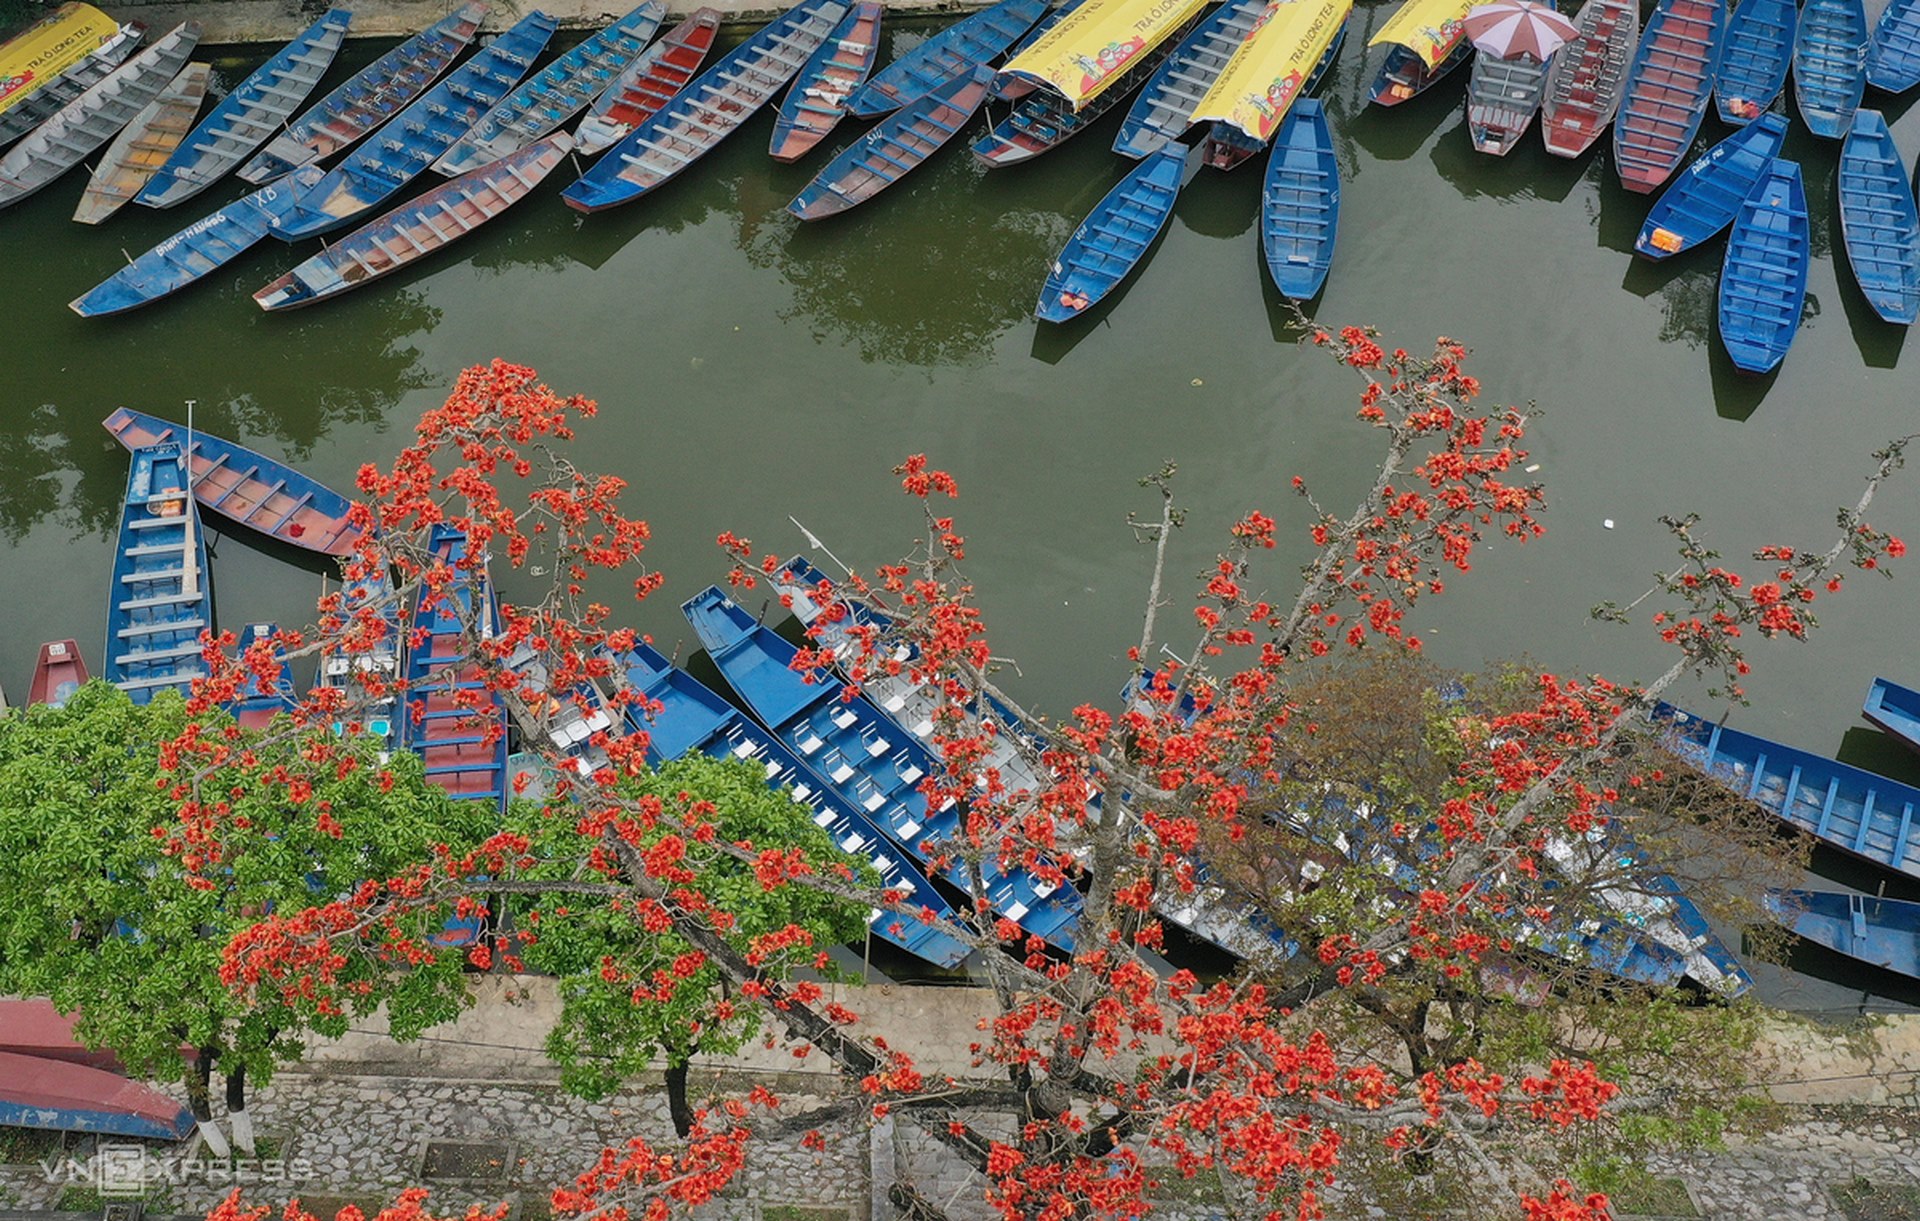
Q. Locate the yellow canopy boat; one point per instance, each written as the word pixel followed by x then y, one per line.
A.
pixel 48 47
pixel 1091 47
pixel 1430 29
pixel 1272 65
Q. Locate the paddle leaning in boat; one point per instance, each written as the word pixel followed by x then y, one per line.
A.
pixel 159 600
pixel 896 146
pixel 1428 40
pixel 1878 221
pixel 1843 807
pixel 143 146
pixel 954 52
pixel 254 110
pixel 38 105
pixel 451 716
pixel 401 150
pixel 817 99
pixel 1830 65
pixel 680 715
pixel 648 83
pixel 1702 202
pixel 367 100
pixel 1666 92
pixel 1763 282
pixel 1084 66
pixel 91 119
pixel 552 96
pixel 250 489
pixel 202 247
pixel 1753 68
pixel 1163 109
pixel 1114 238
pixel 1583 86
pixel 708 110
pixel 418 227
pixel 1300 203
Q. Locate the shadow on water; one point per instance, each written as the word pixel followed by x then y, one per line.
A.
pixel 1222 205
pixel 1528 172
pixel 1879 752
pixel 1878 340
pixel 1396 133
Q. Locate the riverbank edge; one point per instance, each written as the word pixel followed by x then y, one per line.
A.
pixel 242 22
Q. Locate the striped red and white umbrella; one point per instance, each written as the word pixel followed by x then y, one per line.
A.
pixel 1509 28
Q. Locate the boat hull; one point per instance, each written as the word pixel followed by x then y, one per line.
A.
pixel 1405 75
pixel 1700 203
pixel 1763 280
pixel 1582 91
pixel 1114 239
pixel 57 1096
pixel 1503 95
pixel 143 146
pixel 1163 109
pixel 1753 69
pixel 58 672
pixel 648 83
pixel 1882 933
pixel 1665 95
pixel 1830 65
pixel 1300 203
pixel 158 601
pixel 1893 61
pixel 954 52
pixel 899 144
pixel 817 99
pixel 1879 224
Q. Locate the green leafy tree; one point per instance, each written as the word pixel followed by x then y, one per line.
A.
pixel 97 915
pixel 663 1000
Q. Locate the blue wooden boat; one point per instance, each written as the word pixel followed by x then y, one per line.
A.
pixel 418 228
pixel 817 99
pixel 1300 203
pixel 1893 60
pixel 367 618
pixel 1043 119
pixel 708 110
pixel 202 247
pixel 160 600
pixel 1844 807
pixel 1763 281
pixel 369 98
pixel 1115 237
pixel 954 52
pixel 685 715
pixel 1878 220
pixel 259 702
pixel 1830 65
pixel 60 1096
pixel 648 83
pixel 556 93
pixel 1668 84
pixel 451 717
pixel 1405 75
pixel 1879 932
pixel 1163 108
pixel 250 488
pixel 1753 71
pixel 250 114
pixel 1895 709
pixel 870 761
pixel 1704 200
pixel 897 145
pixel 400 151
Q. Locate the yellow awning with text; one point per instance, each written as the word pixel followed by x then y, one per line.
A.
pixel 1272 65
pixel 1093 46
pixel 49 47
pixel 1430 29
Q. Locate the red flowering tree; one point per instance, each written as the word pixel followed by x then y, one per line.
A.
pixel 1100 1071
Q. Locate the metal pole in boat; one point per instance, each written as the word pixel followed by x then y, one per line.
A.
pixel 814 542
pixel 189 574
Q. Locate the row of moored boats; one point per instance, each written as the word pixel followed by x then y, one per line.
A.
pixel 857 761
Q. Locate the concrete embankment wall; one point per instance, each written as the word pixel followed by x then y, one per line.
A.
pixel 243 21
pixel 500 1039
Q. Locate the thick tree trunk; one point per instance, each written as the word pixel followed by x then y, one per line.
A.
pixel 677 1105
pixel 200 1101
pixel 237 1111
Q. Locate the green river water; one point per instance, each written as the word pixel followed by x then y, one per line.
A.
pixel 748 369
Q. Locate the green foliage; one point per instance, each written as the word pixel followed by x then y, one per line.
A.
pixel 1630 1189
pixel 605 1035
pixel 95 915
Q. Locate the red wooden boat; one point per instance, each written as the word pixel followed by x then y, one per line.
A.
pixel 62 1097
pixel 31 1026
pixel 57 674
pixel 648 83
pixel 250 488
pixel 1584 84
